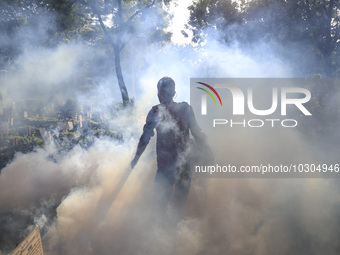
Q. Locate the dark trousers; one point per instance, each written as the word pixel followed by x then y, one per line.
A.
pixel 172 184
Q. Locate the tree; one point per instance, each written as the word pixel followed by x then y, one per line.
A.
pixel 213 14
pixel 13 16
pixel 21 22
pixel 116 21
pixel 310 25
pixel 315 23
pixel 119 29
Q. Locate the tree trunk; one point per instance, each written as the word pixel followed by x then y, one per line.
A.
pixel 121 83
pixel 116 48
pixel 116 44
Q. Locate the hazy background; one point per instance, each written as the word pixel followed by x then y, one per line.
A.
pixel 54 52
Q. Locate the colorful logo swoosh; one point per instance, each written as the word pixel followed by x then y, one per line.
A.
pixel 213 90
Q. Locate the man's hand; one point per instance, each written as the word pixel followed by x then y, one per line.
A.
pixel 134 162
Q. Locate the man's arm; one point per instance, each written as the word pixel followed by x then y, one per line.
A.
pixel 195 129
pixel 200 137
pixel 145 137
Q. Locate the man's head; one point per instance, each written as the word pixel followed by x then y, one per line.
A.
pixel 166 89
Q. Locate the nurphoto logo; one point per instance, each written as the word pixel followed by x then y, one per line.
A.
pixel 242 103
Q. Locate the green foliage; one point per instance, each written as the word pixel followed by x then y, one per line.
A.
pixel 105 25
pixel 19 141
pixel 25 144
pixel 216 14
pixel 310 27
pixel 65 115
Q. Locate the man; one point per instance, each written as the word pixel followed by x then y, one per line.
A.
pixel 172 121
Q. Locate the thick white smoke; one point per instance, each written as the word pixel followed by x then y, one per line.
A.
pixel 88 201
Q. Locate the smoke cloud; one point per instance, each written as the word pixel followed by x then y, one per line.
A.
pixel 87 200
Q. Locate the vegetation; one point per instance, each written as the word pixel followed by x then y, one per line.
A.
pixel 305 31
pixel 109 24
pixel 28 137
